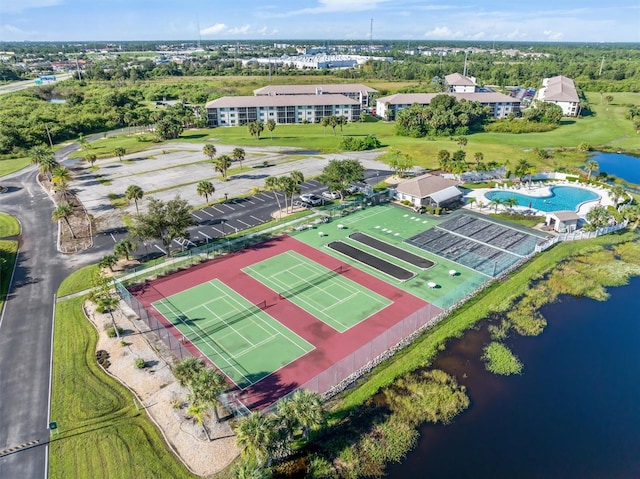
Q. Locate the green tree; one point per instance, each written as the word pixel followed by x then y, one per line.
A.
pixel 90 158
pixel 222 164
pixel 297 178
pixel 616 193
pixel 304 410
pixel 478 156
pixel 522 169
pixel 38 153
pixel 258 129
pixel 462 141
pixel 163 221
pixel 495 203
pixel 60 178
pixel 103 296
pixel 205 188
pixel 123 249
pixel 187 369
pixel 271 125
pixel 135 193
pixel 256 436
pixel 239 153
pixel 324 121
pixel 210 151
pixel 108 261
pixel 169 128
pixel 272 183
pixel 444 160
pixel 597 217
pixel 333 122
pixel 510 202
pixel 338 174
pixel 120 152
pixel 62 212
pixel 590 166
pixel 47 165
pixel 342 120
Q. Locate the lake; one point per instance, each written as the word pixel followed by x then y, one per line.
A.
pixel 573 413
pixel 626 167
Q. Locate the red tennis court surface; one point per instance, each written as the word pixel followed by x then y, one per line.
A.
pixel 330 345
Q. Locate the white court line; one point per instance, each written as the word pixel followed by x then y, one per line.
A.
pixel 219 319
pixel 205 342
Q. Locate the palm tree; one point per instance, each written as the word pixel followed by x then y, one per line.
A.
pixel 135 193
pixel 495 203
pixel 186 369
pixel 60 178
pixel 271 125
pixel 209 151
pixel 198 411
pixel 108 261
pixel 444 157
pixel 222 164
pixel 510 202
pixel 206 384
pixel 616 193
pixel 62 212
pixel 342 120
pixel 119 152
pixel 591 166
pixel 38 153
pixel 478 156
pixel 307 410
pixel 324 122
pixel 255 435
pixel 123 248
pixel 205 188
pixel 297 178
pixel 462 141
pixel 239 154
pixel 333 122
pixel 522 169
pixel 47 164
pixel 90 158
pixel 272 183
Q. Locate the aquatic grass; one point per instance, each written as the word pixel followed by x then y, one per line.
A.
pixel 500 360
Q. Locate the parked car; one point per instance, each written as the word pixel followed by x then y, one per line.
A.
pixel 353 189
pixel 331 195
pixel 313 200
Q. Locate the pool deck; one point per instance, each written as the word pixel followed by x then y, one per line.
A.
pixel 538 190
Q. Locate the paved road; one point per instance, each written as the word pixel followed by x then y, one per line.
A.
pixel 25 328
pixel 23 85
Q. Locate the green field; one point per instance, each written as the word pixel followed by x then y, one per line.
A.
pixel 333 299
pixel 241 339
pixel 9 226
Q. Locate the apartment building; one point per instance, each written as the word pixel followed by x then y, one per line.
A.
pixel 561 91
pixel 283 109
pixel 360 93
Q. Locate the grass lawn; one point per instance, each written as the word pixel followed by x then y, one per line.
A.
pixel 8 251
pixel 102 435
pixel 9 226
pixel 77 281
pixel 11 165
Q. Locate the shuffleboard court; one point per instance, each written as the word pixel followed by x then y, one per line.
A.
pixel 380 264
pixel 241 339
pixel 391 250
pixel 330 297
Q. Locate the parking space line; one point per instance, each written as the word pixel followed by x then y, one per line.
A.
pixel 196 216
pixel 244 223
pixel 205 235
pixel 221 232
pixel 257 219
pixel 224 204
pixel 258 198
pixel 239 203
pixel 206 212
pixel 217 209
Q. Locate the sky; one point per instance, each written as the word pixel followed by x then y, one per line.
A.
pixel 515 20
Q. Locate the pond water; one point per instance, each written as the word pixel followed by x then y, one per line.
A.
pixel 626 167
pixel 561 198
pixel 573 413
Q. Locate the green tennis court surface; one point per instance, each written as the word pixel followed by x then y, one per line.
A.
pixel 237 336
pixel 330 297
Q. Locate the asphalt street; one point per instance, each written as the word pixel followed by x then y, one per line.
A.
pixel 25 329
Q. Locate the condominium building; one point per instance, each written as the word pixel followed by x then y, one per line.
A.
pixel 283 109
pixel 457 83
pixel 561 91
pixel 360 93
pixel 501 105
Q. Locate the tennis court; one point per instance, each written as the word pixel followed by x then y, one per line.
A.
pixel 241 339
pixel 330 297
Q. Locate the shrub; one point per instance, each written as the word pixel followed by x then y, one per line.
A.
pixel 111 332
pixel 139 363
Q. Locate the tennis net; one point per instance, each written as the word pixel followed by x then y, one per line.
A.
pixel 311 283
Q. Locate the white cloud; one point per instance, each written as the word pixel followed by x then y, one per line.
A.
pixel 12 6
pixel 553 36
pixel 442 32
pixel 10 29
pixel 240 30
pixel 333 6
pixel 214 29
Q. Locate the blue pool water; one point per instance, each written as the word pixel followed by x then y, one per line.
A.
pixel 561 198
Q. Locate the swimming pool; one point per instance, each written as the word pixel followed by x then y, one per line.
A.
pixel 561 198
